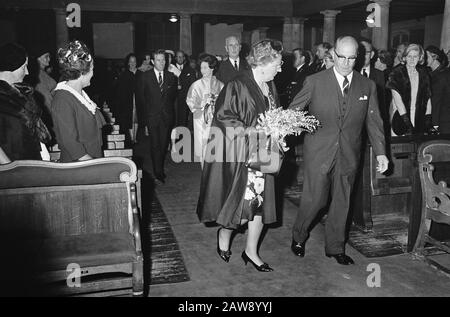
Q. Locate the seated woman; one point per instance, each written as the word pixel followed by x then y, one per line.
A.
pixel 200 99
pixel 21 128
pixel 77 120
pixel 411 92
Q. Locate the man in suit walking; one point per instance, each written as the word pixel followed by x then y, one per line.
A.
pixel 331 155
pixel 155 96
pixel 185 80
pixel 231 66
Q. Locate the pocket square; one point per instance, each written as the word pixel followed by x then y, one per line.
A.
pixel 363 98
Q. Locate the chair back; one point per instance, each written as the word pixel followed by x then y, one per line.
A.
pixel 435 192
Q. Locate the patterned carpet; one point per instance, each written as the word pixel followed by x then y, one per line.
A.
pixel 162 257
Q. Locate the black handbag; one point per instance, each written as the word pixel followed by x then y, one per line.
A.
pixel 398 125
pixel 267 160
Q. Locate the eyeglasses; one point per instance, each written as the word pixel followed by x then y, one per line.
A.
pixel 342 58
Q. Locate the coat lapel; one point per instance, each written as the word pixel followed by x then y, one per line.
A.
pixel 337 90
pixel 354 90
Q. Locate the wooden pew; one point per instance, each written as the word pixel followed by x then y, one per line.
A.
pixel 70 228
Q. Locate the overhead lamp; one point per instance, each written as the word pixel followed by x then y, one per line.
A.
pixel 173 18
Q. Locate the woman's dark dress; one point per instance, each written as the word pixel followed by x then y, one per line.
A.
pixel 78 131
pixel 223 184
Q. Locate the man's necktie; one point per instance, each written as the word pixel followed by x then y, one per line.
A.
pixel 345 86
pixel 236 66
pixel 365 73
pixel 160 82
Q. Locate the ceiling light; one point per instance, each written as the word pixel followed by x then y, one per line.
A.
pixel 173 18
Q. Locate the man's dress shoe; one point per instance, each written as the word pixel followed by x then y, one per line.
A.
pixel 298 248
pixel 341 258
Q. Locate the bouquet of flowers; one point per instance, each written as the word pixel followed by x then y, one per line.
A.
pixel 208 112
pixel 278 123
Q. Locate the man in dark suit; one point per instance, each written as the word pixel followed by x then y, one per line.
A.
pixel 301 65
pixel 319 63
pixel 367 70
pixel 342 100
pixel 155 96
pixel 185 80
pixel 231 66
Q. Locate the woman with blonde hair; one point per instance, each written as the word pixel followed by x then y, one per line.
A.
pixel 411 92
pixel 232 194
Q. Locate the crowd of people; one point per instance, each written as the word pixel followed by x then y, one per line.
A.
pixel 371 92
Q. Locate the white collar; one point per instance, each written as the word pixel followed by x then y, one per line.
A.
pixel 83 98
pixel 367 70
pixel 234 60
pixel 300 66
pixel 157 73
pixel 341 78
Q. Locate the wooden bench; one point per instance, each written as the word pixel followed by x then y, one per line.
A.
pixel 70 228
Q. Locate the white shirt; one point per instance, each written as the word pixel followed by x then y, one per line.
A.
pixel 233 60
pixel 300 66
pixel 180 67
pixel 157 72
pixel 367 71
pixel 341 79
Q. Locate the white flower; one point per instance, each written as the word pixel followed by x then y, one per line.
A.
pixel 259 185
pixel 251 177
pixel 249 195
pixel 260 200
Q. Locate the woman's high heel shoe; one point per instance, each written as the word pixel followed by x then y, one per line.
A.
pixel 262 268
pixel 224 255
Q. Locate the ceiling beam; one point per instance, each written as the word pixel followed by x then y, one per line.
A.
pixel 308 7
pixel 279 8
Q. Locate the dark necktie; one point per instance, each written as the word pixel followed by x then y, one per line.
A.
pixel 160 82
pixel 365 73
pixel 236 66
pixel 345 86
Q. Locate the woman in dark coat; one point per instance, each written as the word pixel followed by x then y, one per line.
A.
pixel 77 120
pixel 411 92
pixel 124 102
pixel 231 194
pixel 21 127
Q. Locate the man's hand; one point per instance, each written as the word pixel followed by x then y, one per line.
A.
pixel 383 163
pixel 146 131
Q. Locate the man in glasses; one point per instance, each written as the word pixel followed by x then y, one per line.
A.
pixel 343 101
pixel 231 66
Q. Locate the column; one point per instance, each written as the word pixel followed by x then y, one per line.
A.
pixel 329 25
pixel 298 32
pixel 62 33
pixel 445 36
pixel 263 32
pixel 185 33
pixel 287 34
pixel 313 37
pixel 380 35
pixel 246 37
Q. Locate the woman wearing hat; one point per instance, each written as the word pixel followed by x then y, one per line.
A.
pixel 22 131
pixel 77 120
